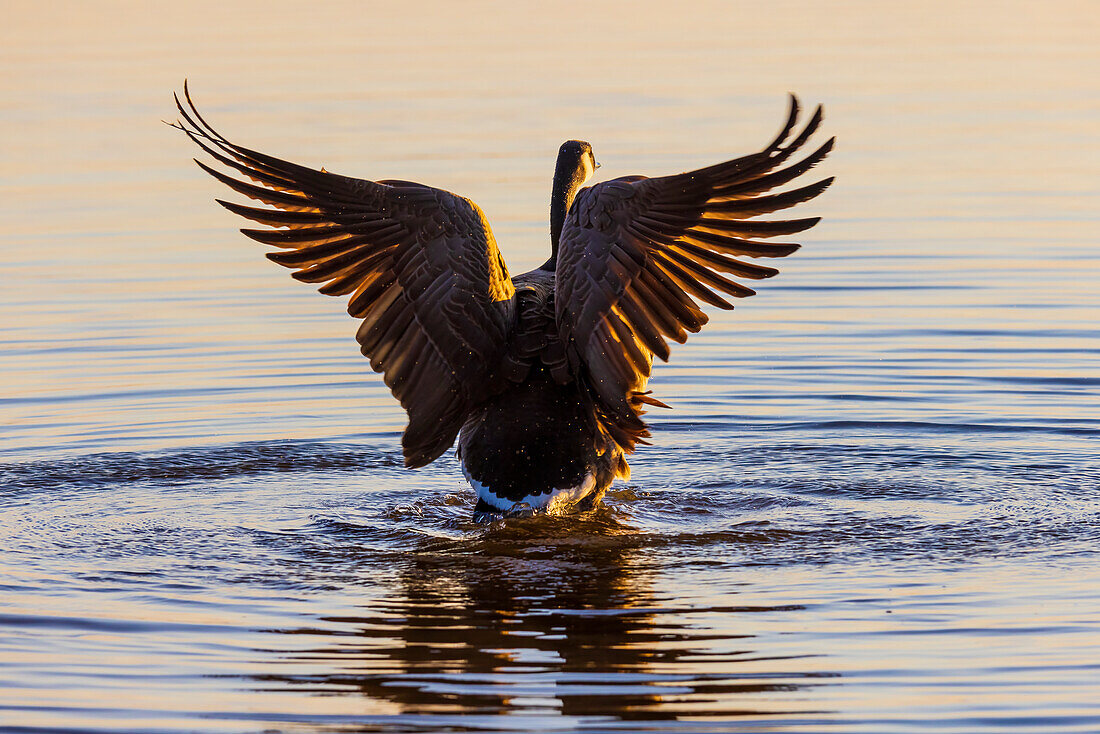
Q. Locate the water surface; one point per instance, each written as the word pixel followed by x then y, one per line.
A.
pixel 874 507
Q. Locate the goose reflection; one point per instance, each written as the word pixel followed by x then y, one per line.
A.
pixel 545 617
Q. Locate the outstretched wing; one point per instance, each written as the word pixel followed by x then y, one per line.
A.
pixel 638 254
pixel 421 265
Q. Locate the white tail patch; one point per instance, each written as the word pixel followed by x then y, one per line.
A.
pixel 550 501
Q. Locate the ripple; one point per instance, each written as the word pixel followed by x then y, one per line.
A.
pixel 173 467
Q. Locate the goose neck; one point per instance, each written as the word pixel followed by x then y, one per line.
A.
pixel 567 181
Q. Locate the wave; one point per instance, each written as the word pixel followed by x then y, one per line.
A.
pixel 185 466
pixel 900 427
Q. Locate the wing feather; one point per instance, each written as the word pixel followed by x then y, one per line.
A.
pixel 638 255
pixel 421 265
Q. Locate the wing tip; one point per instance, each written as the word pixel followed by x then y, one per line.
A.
pixel 413 460
pixel 264 236
pixel 788 248
pixel 794 108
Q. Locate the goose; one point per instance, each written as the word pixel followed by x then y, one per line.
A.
pixel 541 377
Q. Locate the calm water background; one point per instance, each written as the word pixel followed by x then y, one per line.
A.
pixel 873 509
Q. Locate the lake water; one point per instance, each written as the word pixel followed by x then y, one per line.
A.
pixel 875 506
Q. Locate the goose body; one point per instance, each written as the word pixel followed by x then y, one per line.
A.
pixel 538 443
pixel 541 377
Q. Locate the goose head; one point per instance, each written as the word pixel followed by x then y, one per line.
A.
pixel 576 164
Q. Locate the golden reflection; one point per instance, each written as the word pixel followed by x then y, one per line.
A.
pixel 544 616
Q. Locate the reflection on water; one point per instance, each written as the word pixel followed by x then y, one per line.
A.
pixel 544 617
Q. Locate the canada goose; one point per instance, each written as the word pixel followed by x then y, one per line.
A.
pixel 541 377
